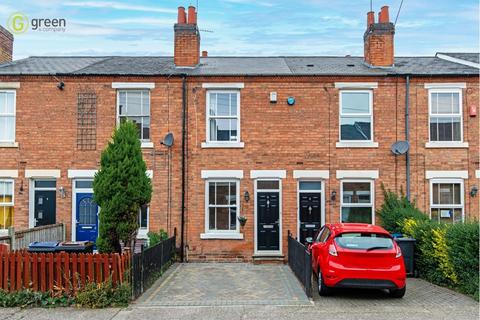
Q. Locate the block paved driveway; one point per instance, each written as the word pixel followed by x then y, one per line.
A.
pixel 223 284
pixel 243 292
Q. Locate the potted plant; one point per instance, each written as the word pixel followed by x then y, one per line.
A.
pixel 242 220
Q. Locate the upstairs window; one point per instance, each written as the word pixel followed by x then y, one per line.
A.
pixel 223 116
pixel 446 115
pixel 134 105
pixel 7 116
pixel 356 115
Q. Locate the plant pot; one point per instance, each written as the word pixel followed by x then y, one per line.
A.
pixel 242 220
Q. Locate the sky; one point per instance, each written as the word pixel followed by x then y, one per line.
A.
pixel 243 27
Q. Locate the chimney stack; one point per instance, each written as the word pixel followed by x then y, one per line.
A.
pixel 6 45
pixel 378 40
pixel 187 39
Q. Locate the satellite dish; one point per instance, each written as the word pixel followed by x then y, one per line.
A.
pixel 168 140
pixel 400 147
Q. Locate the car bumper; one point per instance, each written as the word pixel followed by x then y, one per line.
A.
pixel 342 277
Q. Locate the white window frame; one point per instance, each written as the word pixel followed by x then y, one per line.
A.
pixel 370 114
pixel 221 234
pixel 14 115
pixel 355 205
pixel 146 143
pixel 453 206
pixel 216 143
pixel 432 143
pixel 8 204
pixel 142 232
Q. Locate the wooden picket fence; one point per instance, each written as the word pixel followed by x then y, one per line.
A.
pixel 60 272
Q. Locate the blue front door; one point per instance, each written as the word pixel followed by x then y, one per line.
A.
pixel 87 218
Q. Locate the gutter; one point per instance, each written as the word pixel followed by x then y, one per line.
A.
pixel 407 132
pixel 184 122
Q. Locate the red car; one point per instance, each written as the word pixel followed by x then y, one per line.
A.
pixel 357 255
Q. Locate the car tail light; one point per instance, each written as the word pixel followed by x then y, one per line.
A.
pixel 332 250
pixel 398 252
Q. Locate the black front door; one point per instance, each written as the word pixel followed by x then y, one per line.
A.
pixel 310 213
pixel 268 221
pixel 44 207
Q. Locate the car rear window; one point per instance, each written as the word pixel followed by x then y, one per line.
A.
pixel 364 241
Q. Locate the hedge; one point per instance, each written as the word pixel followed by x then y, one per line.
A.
pixel 446 254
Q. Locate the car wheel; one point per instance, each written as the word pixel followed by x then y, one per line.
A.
pixel 398 293
pixel 323 290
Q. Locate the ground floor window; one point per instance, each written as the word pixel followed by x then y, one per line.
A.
pixel 222 205
pixel 143 219
pixel 357 201
pixel 446 201
pixel 6 203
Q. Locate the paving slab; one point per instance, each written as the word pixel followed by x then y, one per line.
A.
pixel 225 284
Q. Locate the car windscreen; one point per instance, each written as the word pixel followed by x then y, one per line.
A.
pixel 364 241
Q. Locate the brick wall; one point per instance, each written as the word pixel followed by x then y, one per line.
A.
pixel 276 136
pixel 187 45
pixel 6 45
pixel 46 133
pixel 304 136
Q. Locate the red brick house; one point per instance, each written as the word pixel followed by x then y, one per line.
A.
pixel 290 143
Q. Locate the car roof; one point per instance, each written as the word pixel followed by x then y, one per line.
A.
pixel 339 228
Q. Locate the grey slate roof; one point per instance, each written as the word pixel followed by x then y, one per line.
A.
pixel 231 66
pixel 472 57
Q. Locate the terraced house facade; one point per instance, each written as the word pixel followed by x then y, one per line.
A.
pixel 289 143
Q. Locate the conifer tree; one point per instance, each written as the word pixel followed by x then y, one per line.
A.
pixel 121 187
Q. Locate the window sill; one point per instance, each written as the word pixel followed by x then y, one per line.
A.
pixel 232 145
pixel 353 144
pixel 433 145
pixel 8 144
pixel 147 145
pixel 220 235
pixel 142 235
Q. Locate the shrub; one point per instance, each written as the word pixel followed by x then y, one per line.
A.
pixel 447 254
pixel 156 237
pixel 463 249
pixel 120 188
pixel 102 295
pixel 29 298
pixel 395 209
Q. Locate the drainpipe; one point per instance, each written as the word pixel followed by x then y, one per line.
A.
pixel 184 121
pixel 407 132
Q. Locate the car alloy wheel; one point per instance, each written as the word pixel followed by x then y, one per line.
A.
pixel 323 290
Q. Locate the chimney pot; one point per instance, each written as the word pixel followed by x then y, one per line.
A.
pixel 182 17
pixel 192 15
pixel 379 40
pixel 370 18
pixel 204 53
pixel 186 39
pixel 384 15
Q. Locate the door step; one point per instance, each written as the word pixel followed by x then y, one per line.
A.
pixel 267 259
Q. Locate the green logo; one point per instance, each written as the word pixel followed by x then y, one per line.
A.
pixel 17 23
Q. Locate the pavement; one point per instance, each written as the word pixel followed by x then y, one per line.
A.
pixel 245 291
